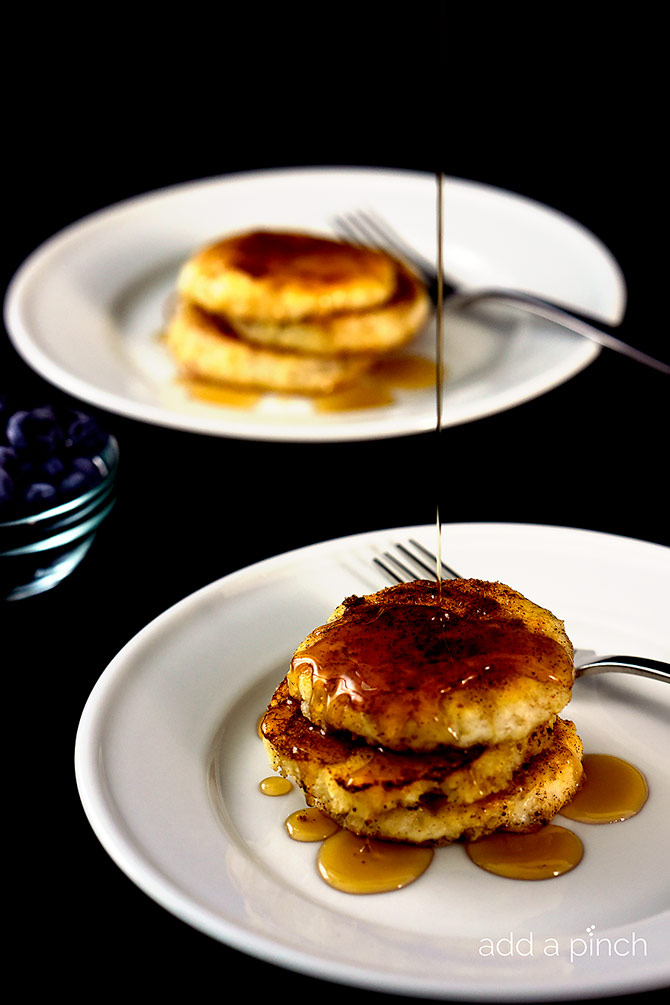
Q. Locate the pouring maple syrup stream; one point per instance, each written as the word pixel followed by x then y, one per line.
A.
pixel 614 789
pixel 439 355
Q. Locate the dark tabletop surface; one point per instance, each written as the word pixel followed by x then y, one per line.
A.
pixel 564 119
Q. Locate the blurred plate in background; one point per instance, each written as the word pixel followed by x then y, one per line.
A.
pixel 87 308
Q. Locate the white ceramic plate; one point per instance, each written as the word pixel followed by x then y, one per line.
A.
pixel 86 309
pixel 168 763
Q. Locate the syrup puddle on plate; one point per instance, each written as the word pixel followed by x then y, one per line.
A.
pixel 614 791
pixel 359 865
pixel 354 864
pixel 544 854
pixel 310 824
pixel 275 785
pixel 220 394
pixel 374 390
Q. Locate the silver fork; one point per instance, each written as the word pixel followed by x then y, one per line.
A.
pixel 366 227
pixel 414 561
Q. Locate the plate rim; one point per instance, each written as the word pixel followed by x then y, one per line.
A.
pixel 143 872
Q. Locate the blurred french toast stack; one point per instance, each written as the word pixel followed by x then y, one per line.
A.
pixel 428 714
pixel 291 312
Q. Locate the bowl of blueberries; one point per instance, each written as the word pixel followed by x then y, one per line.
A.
pixel 58 472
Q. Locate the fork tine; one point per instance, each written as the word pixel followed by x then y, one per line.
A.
pixel 364 227
pixel 444 567
pixel 391 572
pixel 346 229
pixel 421 564
pixel 354 227
pixel 408 574
pixel 363 224
pixel 359 227
pixel 387 235
pixel 393 563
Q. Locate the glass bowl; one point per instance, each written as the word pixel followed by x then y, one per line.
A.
pixel 39 550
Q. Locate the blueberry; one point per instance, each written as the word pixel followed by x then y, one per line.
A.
pixel 88 468
pixel 73 483
pixel 36 430
pixel 84 435
pixel 8 459
pixel 51 469
pixel 7 487
pixel 39 492
pixel 82 474
pixel 13 428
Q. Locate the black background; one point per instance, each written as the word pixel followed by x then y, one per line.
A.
pixel 100 109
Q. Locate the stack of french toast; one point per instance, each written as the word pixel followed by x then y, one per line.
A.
pixel 427 713
pixel 291 312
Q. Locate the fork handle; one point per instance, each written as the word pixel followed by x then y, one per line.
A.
pixel 595 330
pixel 638 665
